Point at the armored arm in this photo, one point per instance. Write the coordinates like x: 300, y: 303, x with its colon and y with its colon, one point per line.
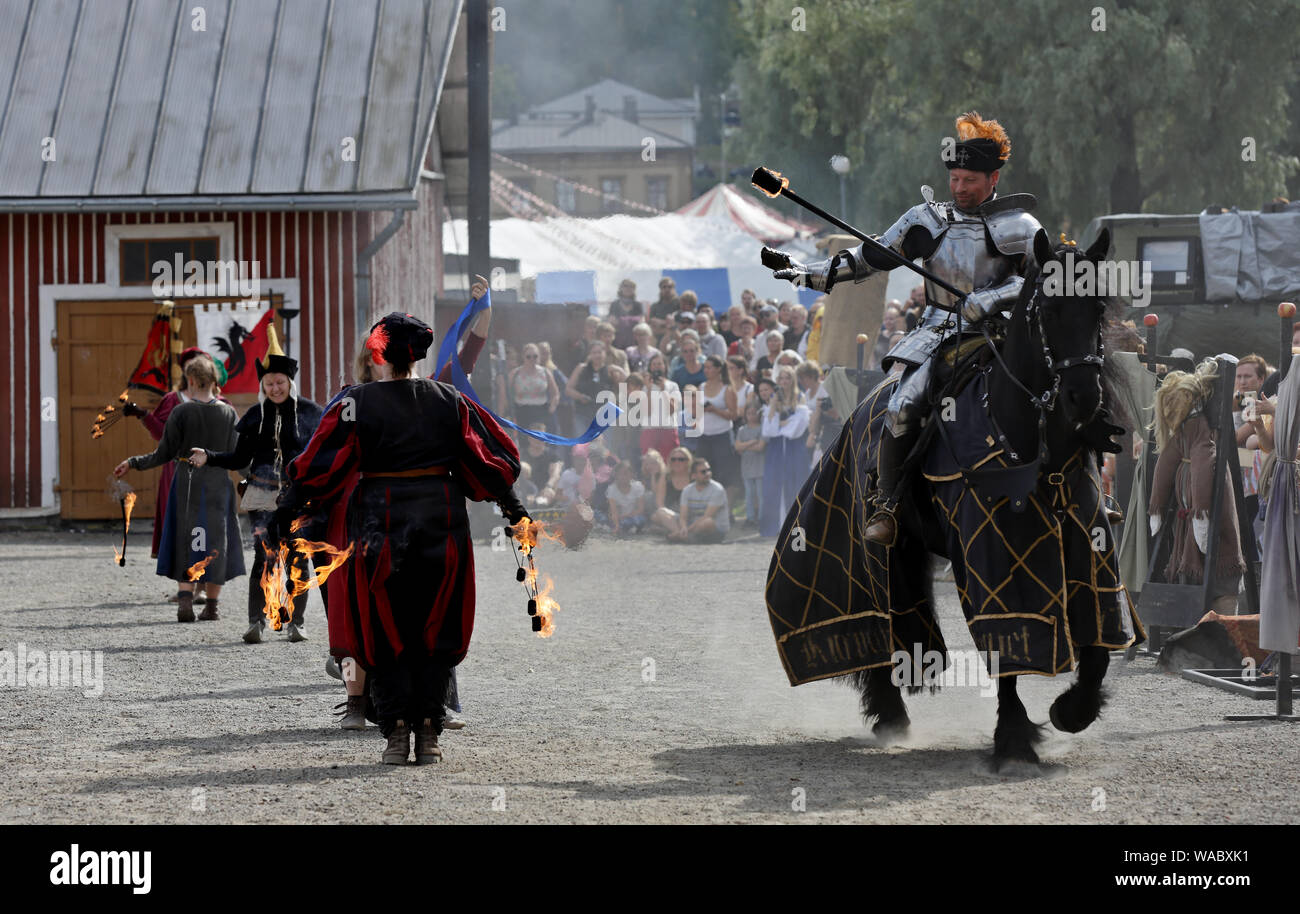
x: 981, y: 303
x: 858, y: 263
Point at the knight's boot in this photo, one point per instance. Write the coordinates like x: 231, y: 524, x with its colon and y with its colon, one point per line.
x: 426, y: 744
x: 1114, y: 514
x: 399, y: 745
x: 185, y: 606
x: 882, y: 526
x: 209, y: 613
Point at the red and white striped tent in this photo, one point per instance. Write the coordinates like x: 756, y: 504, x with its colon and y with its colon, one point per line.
x: 747, y: 212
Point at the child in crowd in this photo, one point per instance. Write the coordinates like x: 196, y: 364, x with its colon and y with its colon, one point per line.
x: 626, y: 496
x: 750, y: 446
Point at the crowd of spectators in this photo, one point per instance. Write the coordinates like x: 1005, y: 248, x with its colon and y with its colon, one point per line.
x: 724, y: 414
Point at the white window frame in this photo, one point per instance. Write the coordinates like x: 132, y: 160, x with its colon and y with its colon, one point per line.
x: 115, y: 234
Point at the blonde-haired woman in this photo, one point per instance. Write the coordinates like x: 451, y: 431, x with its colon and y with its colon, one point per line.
x: 786, y: 455
x: 533, y: 389
x: 668, y: 498
x: 1184, y: 476
x: 200, y: 527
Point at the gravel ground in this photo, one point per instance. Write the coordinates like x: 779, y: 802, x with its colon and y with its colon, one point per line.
x: 659, y: 699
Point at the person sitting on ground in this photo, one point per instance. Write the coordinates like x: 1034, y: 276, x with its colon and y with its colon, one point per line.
x: 626, y: 496
x: 546, y: 459
x: 676, y: 480
x: 524, y: 486
x: 578, y: 481
x: 705, y: 516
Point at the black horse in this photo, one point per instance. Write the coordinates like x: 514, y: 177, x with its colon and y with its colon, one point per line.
x: 842, y: 606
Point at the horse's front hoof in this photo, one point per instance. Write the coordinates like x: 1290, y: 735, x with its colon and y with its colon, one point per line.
x: 1075, y: 709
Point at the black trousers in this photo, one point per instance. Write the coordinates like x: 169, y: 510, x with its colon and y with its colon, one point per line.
x: 256, y: 598
x: 409, y: 690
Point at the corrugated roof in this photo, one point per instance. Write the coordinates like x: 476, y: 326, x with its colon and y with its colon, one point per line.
x: 572, y: 134
x: 251, y: 110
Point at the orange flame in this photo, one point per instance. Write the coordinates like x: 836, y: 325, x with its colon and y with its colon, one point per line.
x: 121, y: 398
x: 299, y: 523
x: 546, y: 608
x: 785, y: 182
x: 276, y: 596
x: 96, y: 432
x: 196, y: 570
x: 128, y: 503
x: 279, y: 594
x: 336, y: 558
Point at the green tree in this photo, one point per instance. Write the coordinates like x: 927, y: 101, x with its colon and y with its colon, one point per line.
x: 1141, y: 107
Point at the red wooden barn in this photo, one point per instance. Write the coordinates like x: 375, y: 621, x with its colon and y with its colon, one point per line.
x: 300, y: 138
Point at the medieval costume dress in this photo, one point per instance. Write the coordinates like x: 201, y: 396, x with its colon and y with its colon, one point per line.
x: 420, y: 449
x: 199, y: 523
x: 1184, y: 476
x: 271, y: 435
x: 154, y: 422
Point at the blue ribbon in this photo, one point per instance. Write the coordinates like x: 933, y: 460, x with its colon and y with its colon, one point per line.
x: 447, y: 353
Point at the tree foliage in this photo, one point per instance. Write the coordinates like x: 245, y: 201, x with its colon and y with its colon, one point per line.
x: 1153, y: 108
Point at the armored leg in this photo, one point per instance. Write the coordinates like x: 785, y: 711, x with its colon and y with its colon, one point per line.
x: 902, y: 431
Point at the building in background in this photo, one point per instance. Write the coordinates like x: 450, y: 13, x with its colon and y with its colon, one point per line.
x: 309, y: 147
x: 607, y: 139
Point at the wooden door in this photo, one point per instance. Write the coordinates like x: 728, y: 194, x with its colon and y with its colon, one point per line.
x: 98, y: 345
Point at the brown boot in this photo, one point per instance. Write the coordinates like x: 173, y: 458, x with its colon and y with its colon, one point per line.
x: 353, y: 713
x: 185, y: 606
x: 399, y: 745
x: 882, y: 528
x: 209, y: 613
x: 426, y: 744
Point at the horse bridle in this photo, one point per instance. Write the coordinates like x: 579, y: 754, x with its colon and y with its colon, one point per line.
x: 1045, y: 402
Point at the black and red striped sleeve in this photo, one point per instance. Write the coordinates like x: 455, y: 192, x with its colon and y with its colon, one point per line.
x: 487, y: 461
x: 330, y: 459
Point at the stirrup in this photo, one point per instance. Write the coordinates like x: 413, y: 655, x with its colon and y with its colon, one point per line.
x: 884, y: 514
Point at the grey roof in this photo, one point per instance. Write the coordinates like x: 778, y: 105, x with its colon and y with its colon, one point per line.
x: 570, y: 133
x: 251, y: 112
x: 609, y: 94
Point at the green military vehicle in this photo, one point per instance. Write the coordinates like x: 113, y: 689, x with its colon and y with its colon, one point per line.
x: 1214, y: 278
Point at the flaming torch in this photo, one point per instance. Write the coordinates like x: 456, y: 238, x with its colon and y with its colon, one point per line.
x: 541, y: 605
x: 279, y: 589
x: 121, y: 492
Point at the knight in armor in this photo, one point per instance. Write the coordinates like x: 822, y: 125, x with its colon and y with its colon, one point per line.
x: 979, y: 243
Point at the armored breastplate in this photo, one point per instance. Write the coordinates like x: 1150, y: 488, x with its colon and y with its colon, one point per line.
x: 965, y: 259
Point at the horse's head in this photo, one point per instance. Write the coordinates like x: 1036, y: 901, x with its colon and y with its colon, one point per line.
x: 1070, y: 309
